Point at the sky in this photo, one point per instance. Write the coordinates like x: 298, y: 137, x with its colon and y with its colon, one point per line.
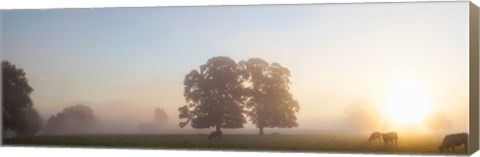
x: 125, y: 62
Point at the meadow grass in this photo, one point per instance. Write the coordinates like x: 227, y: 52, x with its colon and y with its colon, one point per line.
x: 413, y: 144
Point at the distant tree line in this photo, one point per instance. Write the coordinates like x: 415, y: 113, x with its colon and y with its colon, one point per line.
x: 223, y: 93
x: 220, y: 94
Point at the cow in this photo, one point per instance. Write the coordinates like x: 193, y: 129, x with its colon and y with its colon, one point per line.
x: 453, y: 140
x: 215, y: 134
x: 389, y: 138
x: 375, y: 136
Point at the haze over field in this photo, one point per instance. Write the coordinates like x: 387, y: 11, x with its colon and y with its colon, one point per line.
x: 355, y: 67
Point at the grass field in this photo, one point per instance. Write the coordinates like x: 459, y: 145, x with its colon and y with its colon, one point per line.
x: 304, y: 143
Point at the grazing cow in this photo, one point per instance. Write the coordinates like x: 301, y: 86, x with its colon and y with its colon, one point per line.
x: 453, y: 140
x: 375, y: 136
x: 389, y: 138
x: 215, y: 134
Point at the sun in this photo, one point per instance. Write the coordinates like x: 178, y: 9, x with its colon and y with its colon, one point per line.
x: 407, y: 102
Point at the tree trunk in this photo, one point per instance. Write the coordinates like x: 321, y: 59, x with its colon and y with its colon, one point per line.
x: 261, y: 130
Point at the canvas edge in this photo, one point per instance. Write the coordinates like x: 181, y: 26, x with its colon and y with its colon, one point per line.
x: 473, y: 79
x: 1, y: 78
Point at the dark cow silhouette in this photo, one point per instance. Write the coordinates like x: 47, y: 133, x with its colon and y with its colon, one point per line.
x: 375, y: 136
x: 453, y: 140
x: 215, y: 134
x: 390, y: 138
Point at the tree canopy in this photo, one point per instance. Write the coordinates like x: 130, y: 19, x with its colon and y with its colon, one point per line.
x: 214, y: 96
x: 269, y: 104
x: 74, y: 119
x: 18, y: 113
x: 223, y: 92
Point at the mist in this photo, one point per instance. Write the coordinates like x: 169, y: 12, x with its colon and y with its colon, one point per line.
x: 361, y: 116
x: 338, y: 74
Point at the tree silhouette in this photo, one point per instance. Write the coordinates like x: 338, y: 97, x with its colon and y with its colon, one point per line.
x: 19, y: 114
x: 160, y: 119
x: 72, y: 119
x: 160, y: 116
x: 214, y: 96
x: 269, y: 104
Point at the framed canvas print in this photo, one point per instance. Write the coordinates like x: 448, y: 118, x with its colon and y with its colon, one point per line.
x: 369, y: 78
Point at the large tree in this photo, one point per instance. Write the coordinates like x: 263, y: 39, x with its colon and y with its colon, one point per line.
x: 19, y: 114
x: 269, y: 104
x: 214, y: 96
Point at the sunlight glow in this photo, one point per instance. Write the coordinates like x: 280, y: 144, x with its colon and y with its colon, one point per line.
x: 408, y: 102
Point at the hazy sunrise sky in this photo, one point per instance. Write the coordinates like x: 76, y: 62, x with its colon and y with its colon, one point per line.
x: 125, y: 62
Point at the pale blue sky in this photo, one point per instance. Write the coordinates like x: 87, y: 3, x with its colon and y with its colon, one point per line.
x: 337, y: 53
